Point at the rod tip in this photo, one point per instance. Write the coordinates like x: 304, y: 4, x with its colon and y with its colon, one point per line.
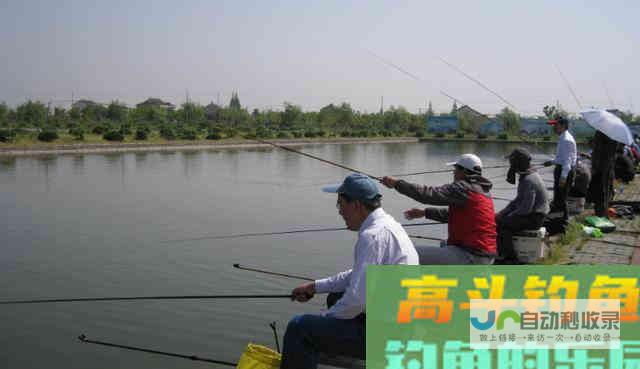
x: 236, y: 265
x: 82, y: 337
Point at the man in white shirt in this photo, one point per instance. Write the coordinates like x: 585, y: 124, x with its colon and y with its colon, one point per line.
x: 565, y: 162
x: 341, y: 330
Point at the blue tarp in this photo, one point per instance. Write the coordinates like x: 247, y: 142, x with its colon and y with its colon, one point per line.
x: 444, y: 124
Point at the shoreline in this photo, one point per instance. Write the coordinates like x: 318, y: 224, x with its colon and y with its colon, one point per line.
x: 74, y: 149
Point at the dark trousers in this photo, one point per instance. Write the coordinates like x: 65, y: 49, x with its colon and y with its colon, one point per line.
x: 559, y: 203
x: 510, y: 224
x: 307, y: 335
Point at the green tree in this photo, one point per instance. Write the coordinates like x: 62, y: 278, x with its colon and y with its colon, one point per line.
x: 117, y: 112
x: 454, y: 108
x: 291, y: 116
x: 4, y: 115
x: 429, y: 113
x: 235, y: 102
x: 510, y: 119
x: 32, y: 114
x: 191, y: 113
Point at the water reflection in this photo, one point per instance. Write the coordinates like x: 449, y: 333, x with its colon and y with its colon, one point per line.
x: 192, y: 163
x: 48, y: 164
x: 78, y: 164
x: 8, y: 164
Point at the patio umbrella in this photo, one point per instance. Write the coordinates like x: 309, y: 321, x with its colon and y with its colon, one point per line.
x: 609, y: 124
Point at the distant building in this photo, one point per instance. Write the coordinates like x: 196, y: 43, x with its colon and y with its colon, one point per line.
x: 154, y: 102
x: 82, y: 104
x: 534, y: 126
x: 491, y: 127
x: 442, y: 124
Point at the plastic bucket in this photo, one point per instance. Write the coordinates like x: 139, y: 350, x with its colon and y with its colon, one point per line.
x: 259, y: 357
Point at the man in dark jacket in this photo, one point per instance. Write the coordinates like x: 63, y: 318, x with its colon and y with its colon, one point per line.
x: 469, y: 213
x: 602, y: 170
x: 527, y: 210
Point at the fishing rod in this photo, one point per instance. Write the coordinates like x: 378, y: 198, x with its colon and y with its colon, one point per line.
x: 137, y: 298
x: 477, y: 82
x: 566, y: 82
x: 84, y: 339
x: 379, y: 179
x: 263, y: 271
x: 413, y: 76
x: 259, y: 234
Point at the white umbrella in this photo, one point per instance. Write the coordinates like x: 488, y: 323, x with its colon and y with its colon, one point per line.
x: 609, y: 124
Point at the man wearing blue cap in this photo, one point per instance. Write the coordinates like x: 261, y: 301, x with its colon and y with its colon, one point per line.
x: 341, y: 330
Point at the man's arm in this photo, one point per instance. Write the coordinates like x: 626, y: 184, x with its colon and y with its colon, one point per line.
x: 449, y: 194
x: 335, y: 283
x: 352, y: 302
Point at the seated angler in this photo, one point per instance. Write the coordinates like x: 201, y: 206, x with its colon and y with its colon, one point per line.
x: 527, y: 211
x: 469, y: 212
x: 341, y: 330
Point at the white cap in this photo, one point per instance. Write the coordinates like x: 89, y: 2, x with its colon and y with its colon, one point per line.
x: 469, y: 162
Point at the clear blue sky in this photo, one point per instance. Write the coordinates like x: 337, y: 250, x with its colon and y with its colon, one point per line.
x: 312, y: 53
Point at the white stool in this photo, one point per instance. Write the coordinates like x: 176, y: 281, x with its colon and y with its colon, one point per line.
x: 529, y: 245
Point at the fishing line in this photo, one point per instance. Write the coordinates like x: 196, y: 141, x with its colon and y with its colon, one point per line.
x: 259, y: 234
x: 137, y: 298
x: 568, y: 86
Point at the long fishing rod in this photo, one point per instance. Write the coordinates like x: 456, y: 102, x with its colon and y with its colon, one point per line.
x: 413, y: 76
x: 477, y: 82
x: 566, y: 82
x: 84, y: 339
x: 379, y: 179
x: 138, y: 298
x: 259, y: 234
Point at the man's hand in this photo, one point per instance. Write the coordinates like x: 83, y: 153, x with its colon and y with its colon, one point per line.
x: 548, y: 163
x: 304, y: 293
x: 389, y: 181
x: 562, y: 183
x: 414, y: 213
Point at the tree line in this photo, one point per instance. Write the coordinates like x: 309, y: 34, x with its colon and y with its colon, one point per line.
x: 117, y: 122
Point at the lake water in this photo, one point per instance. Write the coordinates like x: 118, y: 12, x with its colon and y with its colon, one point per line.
x: 102, y: 225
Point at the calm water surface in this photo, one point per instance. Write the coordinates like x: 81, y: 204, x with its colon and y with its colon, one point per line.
x: 101, y: 225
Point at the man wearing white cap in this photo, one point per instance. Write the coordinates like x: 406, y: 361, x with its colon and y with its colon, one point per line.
x: 341, y: 330
x: 470, y: 214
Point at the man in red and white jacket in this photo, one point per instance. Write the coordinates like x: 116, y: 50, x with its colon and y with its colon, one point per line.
x: 469, y: 213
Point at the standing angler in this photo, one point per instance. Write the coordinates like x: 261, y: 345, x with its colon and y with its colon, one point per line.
x: 565, y: 162
x: 341, y: 330
x: 470, y: 214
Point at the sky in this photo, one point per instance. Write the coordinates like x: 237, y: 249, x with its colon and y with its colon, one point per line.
x: 313, y: 53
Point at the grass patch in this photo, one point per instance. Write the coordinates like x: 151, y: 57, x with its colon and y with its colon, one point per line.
x: 573, y: 238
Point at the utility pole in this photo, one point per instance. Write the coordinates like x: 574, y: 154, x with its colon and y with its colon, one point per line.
x: 381, y: 104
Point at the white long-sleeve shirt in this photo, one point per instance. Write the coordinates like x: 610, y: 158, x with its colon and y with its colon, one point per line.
x: 381, y: 240
x: 566, y: 153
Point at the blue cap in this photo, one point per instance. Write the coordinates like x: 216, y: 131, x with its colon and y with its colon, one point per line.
x: 356, y: 186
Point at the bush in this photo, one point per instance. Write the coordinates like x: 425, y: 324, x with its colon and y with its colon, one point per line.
x: 98, y: 130
x: 188, y: 134
x: 345, y: 134
x: 7, y: 135
x: 47, y: 136
x: 440, y: 134
x: 142, y: 134
x: 214, y: 136
x: 419, y: 134
x: 284, y: 134
x: 298, y: 134
x: 167, y: 133
x: 503, y: 136
x: 77, y: 133
x: 546, y: 138
x: 482, y: 136
x: 113, y: 136
x: 310, y: 133
x: 459, y: 134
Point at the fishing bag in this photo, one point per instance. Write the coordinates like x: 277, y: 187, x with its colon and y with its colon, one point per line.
x: 601, y: 223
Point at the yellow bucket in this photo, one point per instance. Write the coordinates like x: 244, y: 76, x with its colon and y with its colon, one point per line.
x: 259, y: 357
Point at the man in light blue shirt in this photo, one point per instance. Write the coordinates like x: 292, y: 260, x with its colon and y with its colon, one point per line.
x: 565, y: 162
x: 341, y: 330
